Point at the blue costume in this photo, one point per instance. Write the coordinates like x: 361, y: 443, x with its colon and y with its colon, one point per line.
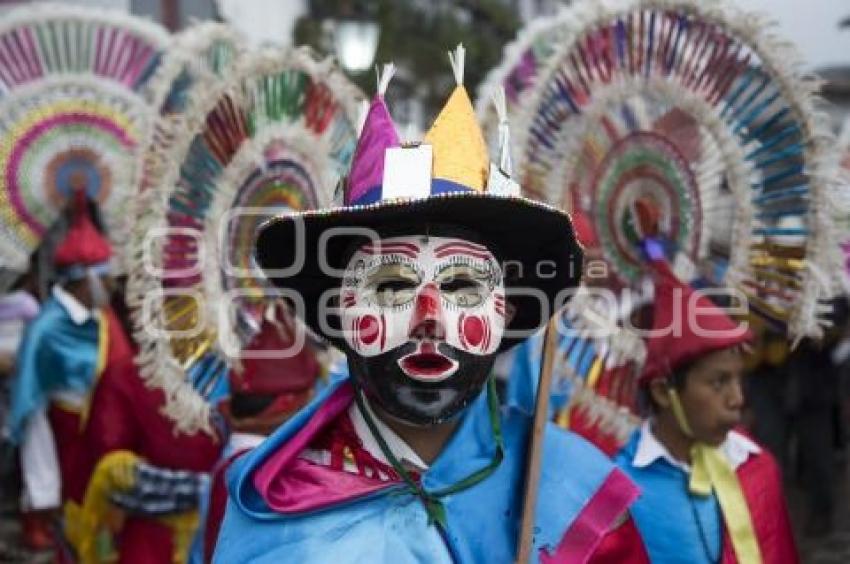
x: 525, y: 372
x: 667, y: 512
x: 56, y: 354
x: 579, y: 486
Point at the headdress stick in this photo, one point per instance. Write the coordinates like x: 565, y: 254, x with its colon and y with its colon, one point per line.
x: 535, y: 446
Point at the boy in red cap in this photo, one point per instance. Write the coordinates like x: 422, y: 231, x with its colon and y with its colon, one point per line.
x: 709, y: 493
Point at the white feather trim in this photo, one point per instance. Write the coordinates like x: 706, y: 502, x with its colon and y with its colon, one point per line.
x: 156, y: 359
x: 551, y: 38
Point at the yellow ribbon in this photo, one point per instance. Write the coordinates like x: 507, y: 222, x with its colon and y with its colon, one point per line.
x: 183, y: 527
x: 100, y: 366
x: 102, y: 341
x: 710, y: 470
x: 595, y: 372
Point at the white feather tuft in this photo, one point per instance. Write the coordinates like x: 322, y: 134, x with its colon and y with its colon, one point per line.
x: 504, y: 131
x: 384, y: 76
x: 457, y: 59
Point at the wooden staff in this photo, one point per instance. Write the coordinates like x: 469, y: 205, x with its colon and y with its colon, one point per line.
x: 535, y: 447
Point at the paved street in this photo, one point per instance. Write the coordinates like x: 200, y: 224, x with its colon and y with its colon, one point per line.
x: 835, y: 548
x: 10, y: 550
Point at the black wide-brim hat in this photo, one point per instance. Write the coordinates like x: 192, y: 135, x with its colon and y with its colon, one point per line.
x: 534, y: 243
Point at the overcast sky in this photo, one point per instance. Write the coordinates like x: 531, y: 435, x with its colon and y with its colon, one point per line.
x: 813, y: 25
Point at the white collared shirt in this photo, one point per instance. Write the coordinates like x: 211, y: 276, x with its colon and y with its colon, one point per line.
x: 736, y: 448
x: 78, y: 313
x: 400, y: 449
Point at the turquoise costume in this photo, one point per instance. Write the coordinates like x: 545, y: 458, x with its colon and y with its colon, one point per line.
x: 667, y: 513
x: 581, y: 495
x: 56, y: 354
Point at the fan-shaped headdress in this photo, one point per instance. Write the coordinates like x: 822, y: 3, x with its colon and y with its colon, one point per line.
x: 275, y: 134
x: 76, y: 98
x: 698, y: 110
x: 205, y: 51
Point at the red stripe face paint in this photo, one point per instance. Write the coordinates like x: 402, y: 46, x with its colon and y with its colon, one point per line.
x: 460, y: 244
x: 461, y: 335
x: 383, y: 329
x: 409, y: 250
x: 462, y: 248
x: 499, y: 304
x: 462, y: 252
x: 417, y: 289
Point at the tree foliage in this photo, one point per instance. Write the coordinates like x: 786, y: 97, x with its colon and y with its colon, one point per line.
x: 416, y: 34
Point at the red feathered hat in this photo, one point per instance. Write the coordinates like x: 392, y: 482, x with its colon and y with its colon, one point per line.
x: 83, y: 245
x: 686, y: 325
x: 272, y: 376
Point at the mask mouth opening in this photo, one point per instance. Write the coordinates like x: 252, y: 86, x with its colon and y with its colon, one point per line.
x: 428, y: 366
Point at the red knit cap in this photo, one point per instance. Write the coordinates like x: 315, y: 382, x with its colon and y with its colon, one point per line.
x: 689, y: 326
x: 83, y: 244
x: 272, y: 376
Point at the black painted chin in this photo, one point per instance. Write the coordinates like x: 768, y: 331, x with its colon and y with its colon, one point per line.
x: 413, y: 401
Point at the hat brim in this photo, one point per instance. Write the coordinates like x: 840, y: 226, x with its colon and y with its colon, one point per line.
x: 533, y: 242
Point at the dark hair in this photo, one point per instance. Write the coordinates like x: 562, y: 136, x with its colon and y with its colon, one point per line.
x: 96, y: 216
x: 244, y: 405
x: 74, y: 285
x: 678, y: 379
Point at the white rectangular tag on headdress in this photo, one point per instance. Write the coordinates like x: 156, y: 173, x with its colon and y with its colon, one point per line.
x: 407, y: 172
x: 500, y: 184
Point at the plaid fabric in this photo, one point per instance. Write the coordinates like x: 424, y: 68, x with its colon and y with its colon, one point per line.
x: 161, y: 491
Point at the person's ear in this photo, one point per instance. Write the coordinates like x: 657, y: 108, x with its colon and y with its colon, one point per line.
x: 658, y: 389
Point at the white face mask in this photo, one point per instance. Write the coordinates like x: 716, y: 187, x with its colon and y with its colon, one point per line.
x: 426, y: 291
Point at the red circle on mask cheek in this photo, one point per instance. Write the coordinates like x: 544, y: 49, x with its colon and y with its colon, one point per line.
x: 473, y: 330
x: 367, y: 329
